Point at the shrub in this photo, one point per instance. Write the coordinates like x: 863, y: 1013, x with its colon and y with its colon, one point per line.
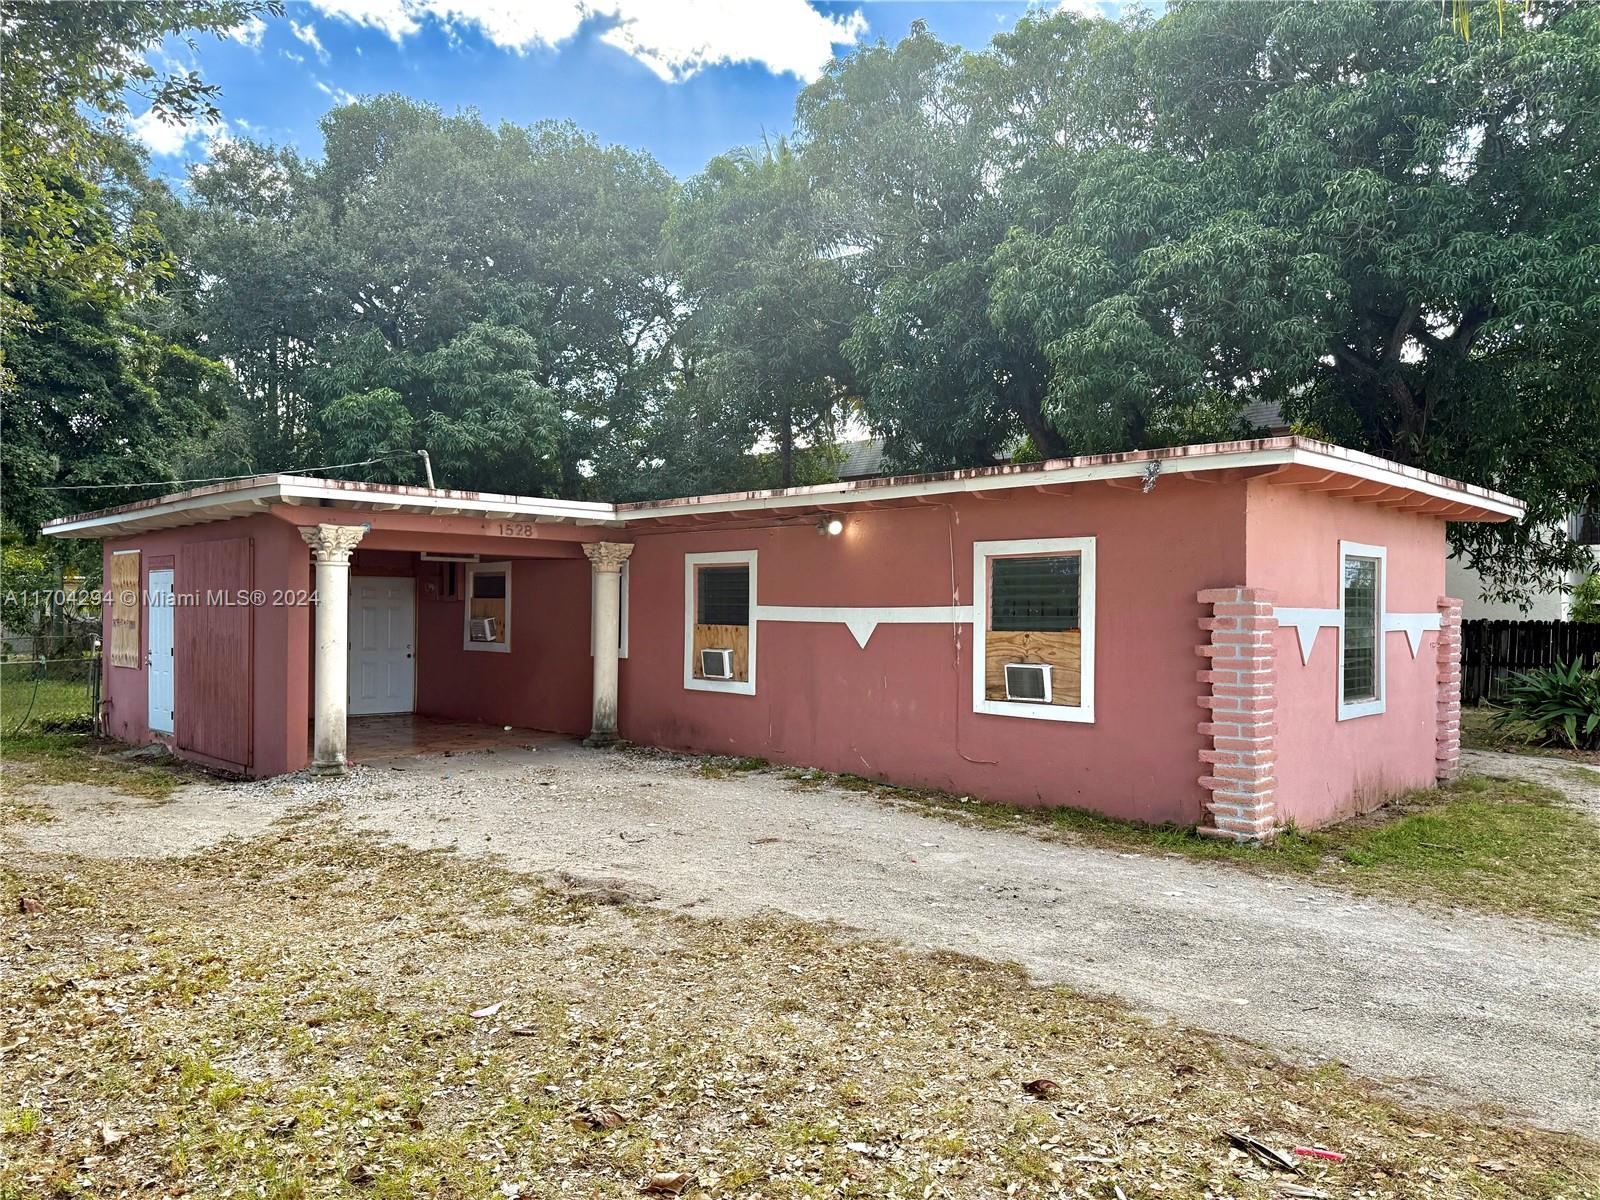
x: 1586, y: 600
x: 1561, y: 703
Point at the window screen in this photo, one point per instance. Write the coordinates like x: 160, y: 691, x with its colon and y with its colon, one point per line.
x: 723, y: 595
x: 1360, y: 628
x: 1033, y: 595
x: 489, y: 587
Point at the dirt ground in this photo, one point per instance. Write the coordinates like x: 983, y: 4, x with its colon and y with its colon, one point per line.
x: 313, y: 1013
x: 1457, y: 1007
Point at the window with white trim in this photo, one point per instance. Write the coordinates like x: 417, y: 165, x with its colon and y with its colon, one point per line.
x: 1361, y: 642
x: 488, y: 607
x: 1033, y: 627
x: 719, y: 633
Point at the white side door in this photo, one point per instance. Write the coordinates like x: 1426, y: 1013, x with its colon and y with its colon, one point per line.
x: 158, y: 664
x: 382, y: 629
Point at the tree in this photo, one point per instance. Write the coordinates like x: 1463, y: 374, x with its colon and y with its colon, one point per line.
x: 1117, y: 236
x: 95, y: 389
x: 69, y: 70
x: 893, y: 135
x: 768, y: 302
x: 491, y: 295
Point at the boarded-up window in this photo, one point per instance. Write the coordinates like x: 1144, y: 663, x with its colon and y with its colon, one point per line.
x: 488, y: 607
x: 720, y: 646
x: 1033, y: 620
x: 124, y: 600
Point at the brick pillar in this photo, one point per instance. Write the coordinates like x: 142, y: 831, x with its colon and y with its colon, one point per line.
x: 1447, y: 729
x: 1240, y: 690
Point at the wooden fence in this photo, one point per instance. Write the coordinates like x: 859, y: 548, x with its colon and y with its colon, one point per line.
x: 1492, y: 650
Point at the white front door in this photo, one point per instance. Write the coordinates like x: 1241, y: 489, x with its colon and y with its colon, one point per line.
x: 382, y: 628
x: 159, y: 662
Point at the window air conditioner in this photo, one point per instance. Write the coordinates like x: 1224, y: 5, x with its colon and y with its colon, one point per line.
x: 482, y: 629
x: 716, y: 664
x: 1029, y: 682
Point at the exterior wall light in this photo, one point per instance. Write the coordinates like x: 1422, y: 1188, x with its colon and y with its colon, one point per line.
x: 833, y: 527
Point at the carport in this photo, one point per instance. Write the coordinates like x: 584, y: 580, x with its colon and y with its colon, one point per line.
x: 245, y: 613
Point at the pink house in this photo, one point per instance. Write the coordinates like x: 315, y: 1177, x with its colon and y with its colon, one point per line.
x: 1232, y: 636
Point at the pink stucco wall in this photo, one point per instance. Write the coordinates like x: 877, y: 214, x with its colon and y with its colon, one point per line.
x: 1327, y: 768
x: 900, y: 709
x: 544, y: 682
x: 279, y: 662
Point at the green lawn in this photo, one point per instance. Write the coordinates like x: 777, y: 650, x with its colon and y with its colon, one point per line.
x: 45, y: 703
x: 1481, y: 842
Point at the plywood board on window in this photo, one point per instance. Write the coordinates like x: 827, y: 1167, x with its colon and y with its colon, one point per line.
x: 125, y: 609
x: 724, y: 637
x: 1062, y: 651
x: 491, y: 606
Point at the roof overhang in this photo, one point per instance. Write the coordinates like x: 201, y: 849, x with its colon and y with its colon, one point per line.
x: 1290, y: 461
x: 245, y: 497
x: 1284, y: 461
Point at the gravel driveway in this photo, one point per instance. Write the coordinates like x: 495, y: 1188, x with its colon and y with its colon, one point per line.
x: 1449, y: 1006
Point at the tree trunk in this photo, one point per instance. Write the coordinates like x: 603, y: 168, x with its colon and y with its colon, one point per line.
x: 786, y: 445
x: 1045, y: 439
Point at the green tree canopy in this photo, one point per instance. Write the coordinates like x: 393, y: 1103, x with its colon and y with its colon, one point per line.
x: 501, y: 286
x: 1116, y: 236
x: 767, y: 301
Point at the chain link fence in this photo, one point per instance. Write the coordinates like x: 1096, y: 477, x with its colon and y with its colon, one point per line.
x: 50, y: 685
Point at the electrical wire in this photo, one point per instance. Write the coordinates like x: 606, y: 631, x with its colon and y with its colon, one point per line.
x: 96, y: 487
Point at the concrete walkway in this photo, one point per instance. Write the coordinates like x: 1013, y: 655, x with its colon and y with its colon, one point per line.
x: 1453, y: 1007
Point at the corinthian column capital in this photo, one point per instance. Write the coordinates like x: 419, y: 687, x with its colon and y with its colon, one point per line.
x: 332, y: 543
x: 608, y: 557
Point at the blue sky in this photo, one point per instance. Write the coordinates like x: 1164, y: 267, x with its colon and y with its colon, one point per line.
x: 683, y: 79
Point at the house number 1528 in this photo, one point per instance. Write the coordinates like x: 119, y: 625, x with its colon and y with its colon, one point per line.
x: 518, y: 529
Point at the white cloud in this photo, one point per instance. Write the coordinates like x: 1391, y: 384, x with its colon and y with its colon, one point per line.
x: 674, y: 38
x: 307, y: 33
x: 677, y: 38
x: 337, y: 94
x: 393, y: 17
x: 250, y: 33
x: 1086, y: 8
x: 167, y: 139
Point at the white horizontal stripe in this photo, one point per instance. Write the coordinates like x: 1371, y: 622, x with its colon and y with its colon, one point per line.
x: 863, y: 621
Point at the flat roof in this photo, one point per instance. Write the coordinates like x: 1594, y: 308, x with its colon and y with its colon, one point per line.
x: 1291, y: 461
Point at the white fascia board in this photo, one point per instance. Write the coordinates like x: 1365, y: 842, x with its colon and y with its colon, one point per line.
x: 107, y: 524
x: 1355, y: 465
x: 1365, y: 466
x: 294, y: 489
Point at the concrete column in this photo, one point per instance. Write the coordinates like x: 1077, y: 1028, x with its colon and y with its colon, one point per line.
x: 607, y: 558
x: 330, y: 547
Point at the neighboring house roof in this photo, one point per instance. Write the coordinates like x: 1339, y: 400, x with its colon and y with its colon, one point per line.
x: 863, y: 459
x: 1265, y: 414
x: 1293, y: 461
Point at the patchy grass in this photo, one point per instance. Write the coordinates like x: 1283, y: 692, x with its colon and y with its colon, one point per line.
x: 720, y: 767
x: 1481, y: 842
x: 36, y: 760
x: 1478, y: 732
x: 291, y: 1017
